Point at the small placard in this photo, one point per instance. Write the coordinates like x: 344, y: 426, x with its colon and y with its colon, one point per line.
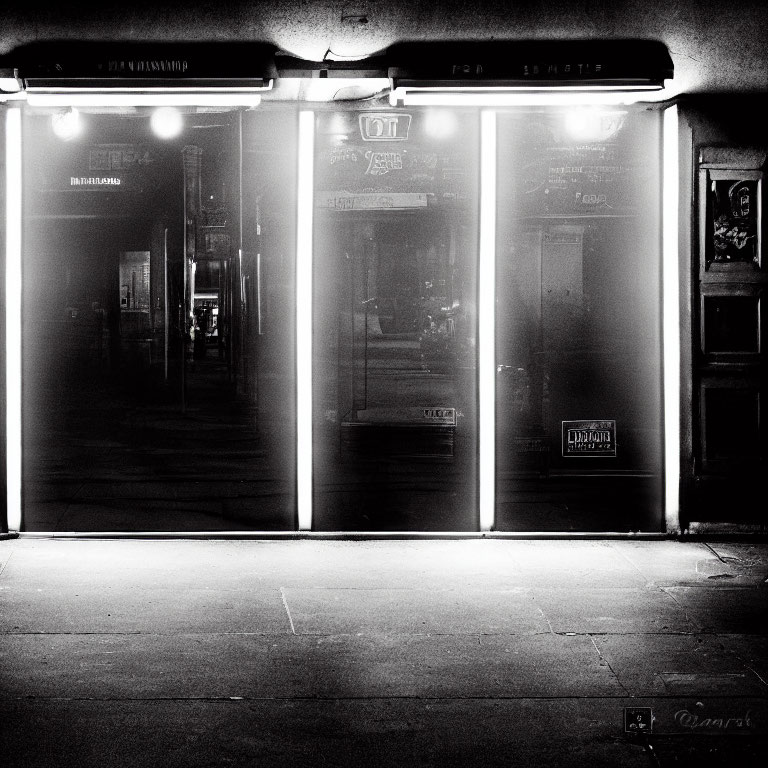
x: 589, y: 438
x: 638, y: 720
x: 440, y: 416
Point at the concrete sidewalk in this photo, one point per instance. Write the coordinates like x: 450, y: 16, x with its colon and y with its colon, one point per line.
x: 381, y: 653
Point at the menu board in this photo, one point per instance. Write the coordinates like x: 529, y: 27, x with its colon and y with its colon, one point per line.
x: 577, y: 179
x: 547, y: 167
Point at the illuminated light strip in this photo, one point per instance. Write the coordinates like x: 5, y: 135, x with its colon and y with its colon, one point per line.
x: 304, y: 226
x: 148, y: 88
x: 486, y: 323
x: 551, y: 97
x: 13, y: 227
x: 671, y: 320
x: 142, y: 99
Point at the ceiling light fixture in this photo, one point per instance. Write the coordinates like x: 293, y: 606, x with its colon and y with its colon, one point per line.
x: 162, y: 68
x: 141, y: 98
x: 167, y: 122
x: 66, y: 125
x: 10, y: 82
x: 526, y: 72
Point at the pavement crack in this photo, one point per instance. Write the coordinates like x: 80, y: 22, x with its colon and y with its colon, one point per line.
x: 628, y: 559
x: 239, y: 699
x: 544, y: 616
x: 723, y: 560
x: 287, y: 610
x: 3, y: 567
x: 75, y: 633
x: 756, y: 674
x: 698, y: 627
x: 608, y: 664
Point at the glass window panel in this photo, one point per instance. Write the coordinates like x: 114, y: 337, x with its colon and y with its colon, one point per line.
x: 396, y: 205
x: 158, y: 309
x: 578, y: 308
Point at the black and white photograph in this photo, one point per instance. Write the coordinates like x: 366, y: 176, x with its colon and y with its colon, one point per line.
x: 383, y: 384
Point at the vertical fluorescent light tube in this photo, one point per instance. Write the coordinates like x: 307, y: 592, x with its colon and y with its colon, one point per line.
x: 13, y: 316
x: 486, y: 322
x: 671, y: 319
x: 304, y: 226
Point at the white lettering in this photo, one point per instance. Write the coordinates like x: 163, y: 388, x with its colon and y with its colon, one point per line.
x: 94, y: 181
x: 175, y: 66
x: 686, y: 719
x: 380, y: 163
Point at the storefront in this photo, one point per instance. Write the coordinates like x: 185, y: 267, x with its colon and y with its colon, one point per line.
x: 239, y: 313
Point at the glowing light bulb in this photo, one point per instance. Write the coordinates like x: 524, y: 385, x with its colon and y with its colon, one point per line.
x: 167, y: 122
x: 440, y: 123
x: 593, y: 124
x: 67, y: 125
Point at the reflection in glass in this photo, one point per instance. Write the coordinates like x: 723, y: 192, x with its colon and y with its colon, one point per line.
x: 395, y: 317
x: 578, y: 308
x: 158, y: 320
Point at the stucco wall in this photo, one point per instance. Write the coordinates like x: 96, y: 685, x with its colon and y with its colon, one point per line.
x: 715, y: 46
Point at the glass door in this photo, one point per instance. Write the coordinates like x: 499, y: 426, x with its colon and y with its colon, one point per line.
x: 578, y: 302
x: 396, y: 209
x: 158, y: 306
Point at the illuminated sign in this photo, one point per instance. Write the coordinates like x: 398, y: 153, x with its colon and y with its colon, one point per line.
x: 95, y: 181
x: 384, y: 126
x: 589, y: 438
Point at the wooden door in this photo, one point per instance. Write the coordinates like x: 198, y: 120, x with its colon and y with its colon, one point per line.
x: 729, y: 351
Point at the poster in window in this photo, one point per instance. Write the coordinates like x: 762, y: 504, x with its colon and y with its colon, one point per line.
x: 734, y: 225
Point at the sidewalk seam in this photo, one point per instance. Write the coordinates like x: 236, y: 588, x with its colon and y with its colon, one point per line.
x: 287, y: 610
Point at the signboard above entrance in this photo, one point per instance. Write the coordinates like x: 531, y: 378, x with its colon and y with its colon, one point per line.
x: 498, y: 64
x: 100, y: 66
x: 384, y: 126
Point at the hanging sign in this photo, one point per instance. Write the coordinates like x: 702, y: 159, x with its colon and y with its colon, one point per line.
x: 589, y: 438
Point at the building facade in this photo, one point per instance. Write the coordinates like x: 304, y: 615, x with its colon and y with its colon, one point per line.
x: 248, y: 308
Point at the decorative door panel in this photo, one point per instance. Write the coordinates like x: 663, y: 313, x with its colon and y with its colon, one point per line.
x: 729, y: 363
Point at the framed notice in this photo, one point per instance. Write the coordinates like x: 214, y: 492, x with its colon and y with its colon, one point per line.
x: 730, y: 210
x: 589, y: 438
x: 734, y: 220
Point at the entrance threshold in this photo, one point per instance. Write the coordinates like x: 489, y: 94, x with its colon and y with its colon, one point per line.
x: 343, y: 535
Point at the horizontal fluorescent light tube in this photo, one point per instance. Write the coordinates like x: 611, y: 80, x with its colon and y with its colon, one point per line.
x: 521, y: 98
x: 143, y: 99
